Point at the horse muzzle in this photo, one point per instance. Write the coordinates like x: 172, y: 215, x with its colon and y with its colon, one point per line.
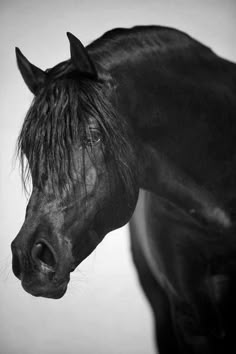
x: 40, y: 270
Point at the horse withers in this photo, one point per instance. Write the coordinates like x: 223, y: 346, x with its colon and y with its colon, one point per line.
x: 145, y: 109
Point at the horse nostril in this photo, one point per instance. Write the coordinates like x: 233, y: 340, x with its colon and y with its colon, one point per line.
x: 41, y: 252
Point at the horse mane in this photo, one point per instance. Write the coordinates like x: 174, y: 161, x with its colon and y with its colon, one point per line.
x: 58, y: 119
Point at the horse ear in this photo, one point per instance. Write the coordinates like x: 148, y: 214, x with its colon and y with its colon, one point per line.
x: 80, y: 57
x: 33, y: 76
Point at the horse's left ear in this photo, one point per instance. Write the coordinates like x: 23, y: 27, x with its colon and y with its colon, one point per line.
x: 32, y: 75
x: 80, y: 57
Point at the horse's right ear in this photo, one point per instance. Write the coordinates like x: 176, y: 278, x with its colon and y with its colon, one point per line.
x: 33, y: 76
x: 80, y: 58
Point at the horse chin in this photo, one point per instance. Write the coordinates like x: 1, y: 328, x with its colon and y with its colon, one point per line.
x: 46, y: 290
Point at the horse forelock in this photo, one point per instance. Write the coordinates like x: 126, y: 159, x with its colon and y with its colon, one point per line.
x: 58, y: 120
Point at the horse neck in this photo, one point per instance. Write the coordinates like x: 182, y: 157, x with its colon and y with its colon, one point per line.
x: 138, y: 97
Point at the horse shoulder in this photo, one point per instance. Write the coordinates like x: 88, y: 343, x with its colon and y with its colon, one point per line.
x: 142, y: 232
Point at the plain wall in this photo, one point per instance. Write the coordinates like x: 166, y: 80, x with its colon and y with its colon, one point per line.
x: 104, y: 311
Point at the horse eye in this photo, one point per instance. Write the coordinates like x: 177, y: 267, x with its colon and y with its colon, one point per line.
x: 93, y: 137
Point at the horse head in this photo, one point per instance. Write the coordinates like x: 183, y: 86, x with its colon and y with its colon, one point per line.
x: 78, y: 154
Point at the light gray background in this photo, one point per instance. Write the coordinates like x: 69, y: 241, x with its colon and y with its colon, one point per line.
x: 104, y: 311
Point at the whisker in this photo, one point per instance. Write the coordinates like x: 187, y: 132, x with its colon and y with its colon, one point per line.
x: 5, y: 268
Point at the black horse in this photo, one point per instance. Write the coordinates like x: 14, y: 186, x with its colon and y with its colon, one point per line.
x: 144, y: 108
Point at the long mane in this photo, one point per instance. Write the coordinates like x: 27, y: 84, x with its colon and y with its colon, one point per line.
x: 58, y: 119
